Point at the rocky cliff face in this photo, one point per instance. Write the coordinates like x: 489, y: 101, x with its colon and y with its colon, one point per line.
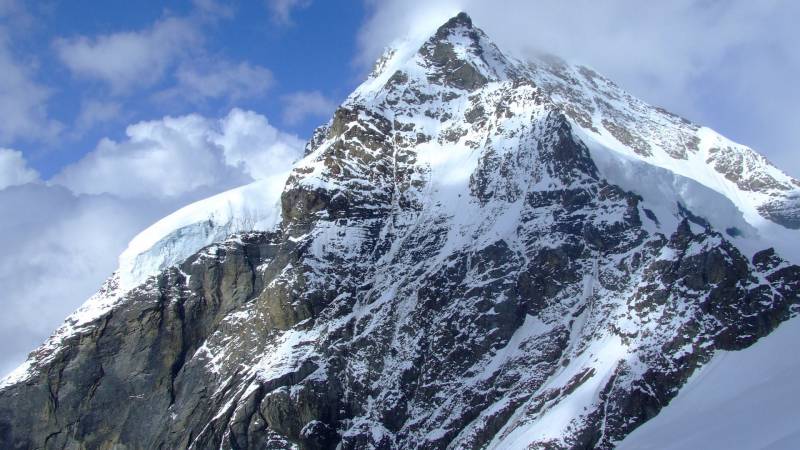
x: 452, y: 270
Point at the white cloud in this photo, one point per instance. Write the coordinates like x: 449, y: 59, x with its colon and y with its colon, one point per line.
x: 164, y: 158
x: 14, y: 169
x: 56, y: 254
x: 23, y: 101
x: 177, y: 155
x: 730, y: 65
x: 282, y: 9
x: 219, y: 79
x: 129, y: 59
x: 259, y: 148
x: 299, y: 105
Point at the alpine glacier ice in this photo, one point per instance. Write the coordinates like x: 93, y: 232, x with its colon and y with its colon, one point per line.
x: 168, y: 242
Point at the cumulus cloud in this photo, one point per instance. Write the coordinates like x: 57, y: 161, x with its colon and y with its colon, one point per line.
x: 219, y: 79
x: 730, y: 65
x: 129, y: 59
x: 250, y: 142
x: 300, y: 105
x: 14, y: 169
x: 23, y: 101
x: 176, y: 155
x: 163, y: 158
x: 282, y: 9
x: 56, y: 254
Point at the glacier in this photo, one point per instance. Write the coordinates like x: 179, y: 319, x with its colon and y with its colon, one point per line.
x: 168, y: 242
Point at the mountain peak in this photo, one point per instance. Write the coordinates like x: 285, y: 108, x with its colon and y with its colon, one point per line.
x: 459, y: 20
x: 459, y: 26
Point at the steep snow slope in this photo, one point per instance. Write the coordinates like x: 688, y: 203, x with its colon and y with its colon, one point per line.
x: 739, y: 401
x: 730, y: 185
x: 626, y: 124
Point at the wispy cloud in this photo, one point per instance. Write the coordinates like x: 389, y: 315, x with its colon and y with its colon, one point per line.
x: 213, y: 10
x: 23, y: 100
x: 126, y: 60
x: 14, y: 169
x: 300, y: 105
x: 282, y: 10
x: 94, y: 112
x: 208, y: 79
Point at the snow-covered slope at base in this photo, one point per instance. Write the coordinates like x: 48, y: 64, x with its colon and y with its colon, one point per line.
x: 740, y: 400
x: 253, y: 207
x: 602, y: 358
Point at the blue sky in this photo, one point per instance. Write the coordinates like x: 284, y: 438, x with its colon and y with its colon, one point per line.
x: 116, y: 113
x: 308, y: 51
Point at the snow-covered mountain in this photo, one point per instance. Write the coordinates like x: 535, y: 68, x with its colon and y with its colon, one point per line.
x: 475, y: 252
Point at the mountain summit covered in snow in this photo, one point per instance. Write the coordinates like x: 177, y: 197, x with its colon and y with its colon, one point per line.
x: 475, y: 252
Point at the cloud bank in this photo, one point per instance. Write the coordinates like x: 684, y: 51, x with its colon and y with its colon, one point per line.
x: 300, y: 105
x: 61, y: 238
x: 14, y: 169
x: 58, y: 247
